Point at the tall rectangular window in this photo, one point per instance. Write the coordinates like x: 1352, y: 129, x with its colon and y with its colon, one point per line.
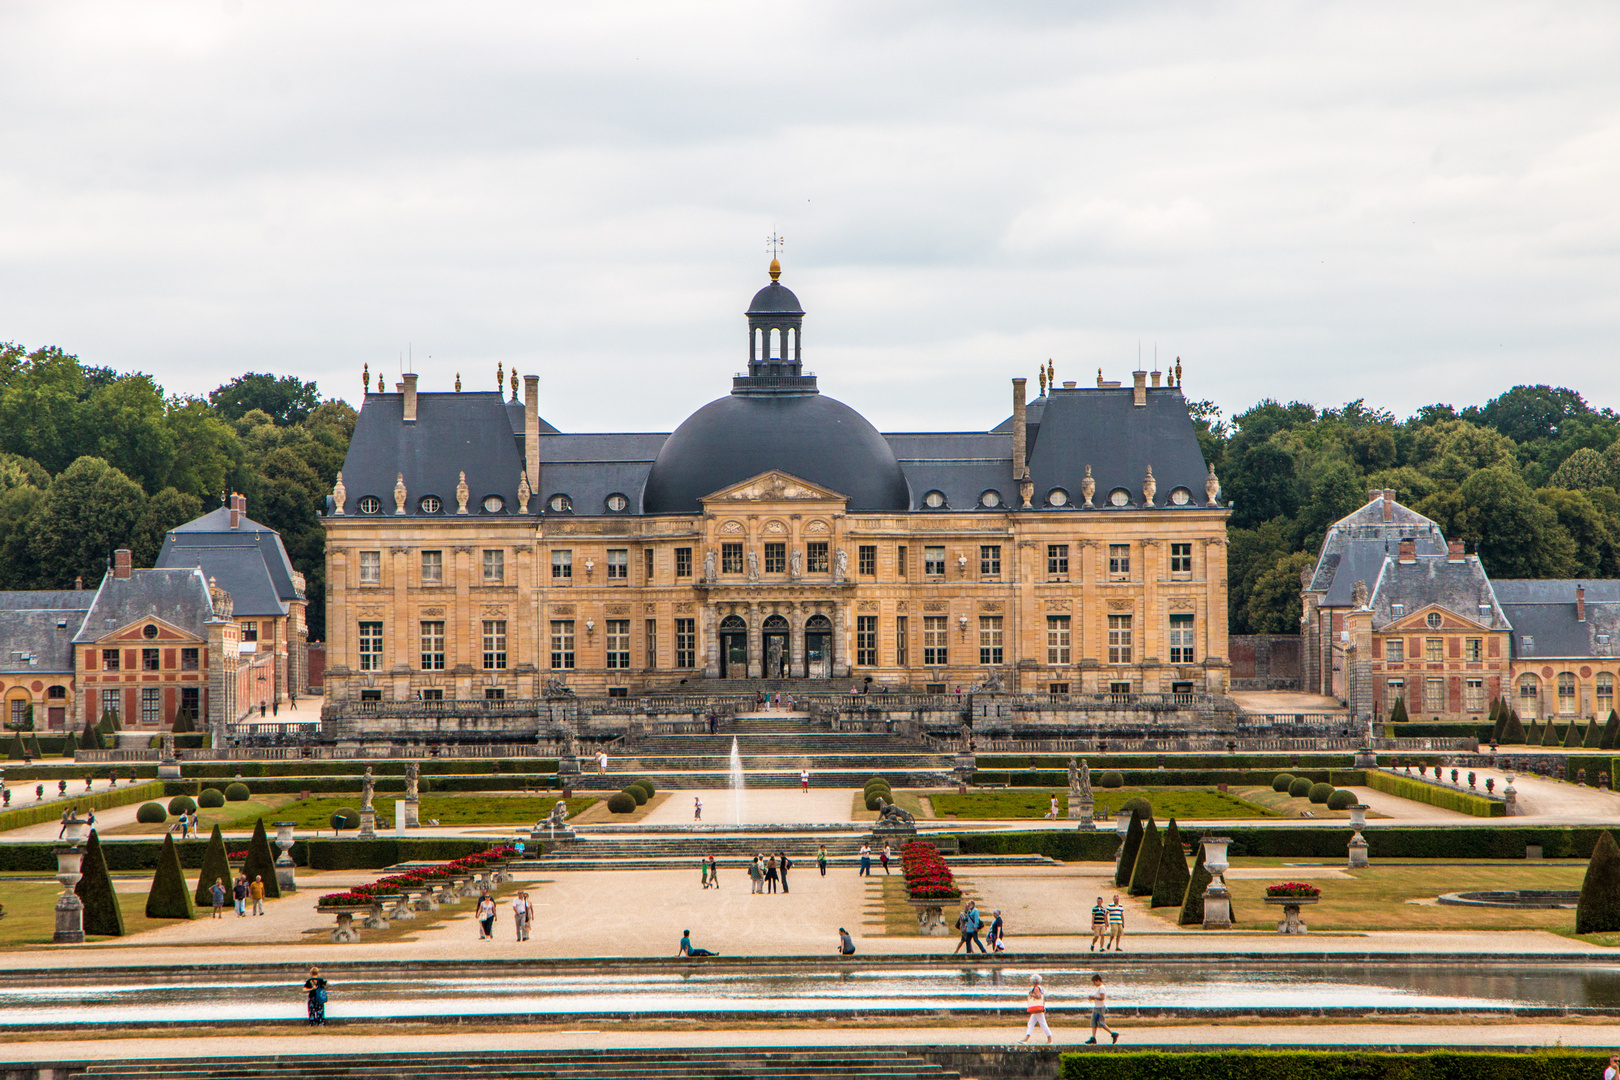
x: 989, y: 560
x: 866, y: 640
x: 618, y: 643
x: 1434, y: 695
x: 934, y: 560
x: 432, y: 567
x: 866, y: 560
x: 1057, y: 640
x: 775, y: 557
x: 562, y: 565
x: 815, y: 557
x: 901, y: 554
x: 370, y: 567
x: 902, y: 650
x: 935, y: 640
x: 433, y: 646
x: 151, y: 705
x: 1433, y: 650
x: 494, y: 644
x: 109, y: 703
x: 562, y: 644
x: 1395, y: 650
x: 1057, y: 562
x: 685, y: 643
x: 990, y: 639
x: 731, y: 558
x: 494, y: 567
x: 109, y: 659
x: 1474, y: 695
x: 191, y: 701
x: 618, y: 564
x: 371, y: 646
x: 1474, y: 649
x: 683, y: 562
x: 151, y: 660
x: 1119, y: 560
x: 1181, y: 558
x: 651, y: 637
x: 250, y: 630
x: 1119, y: 639
x: 647, y: 565
x: 1181, y: 639
x: 189, y: 659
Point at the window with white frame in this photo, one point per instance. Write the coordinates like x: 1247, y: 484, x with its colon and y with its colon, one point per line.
x: 1474, y: 695
x: 370, y: 567
x: 494, y: 566
x: 432, y: 567
x: 1181, y: 558
x: 371, y: 646
x: 618, y: 564
x: 562, y: 565
x: 618, y: 643
x: 935, y: 640
x: 934, y: 560
x: 1120, y: 643
x: 990, y: 640
x: 1119, y: 560
x: 562, y: 644
x: 1057, y: 562
x: 433, y: 645
x: 494, y: 644
x: 1182, y: 645
x: 1057, y: 640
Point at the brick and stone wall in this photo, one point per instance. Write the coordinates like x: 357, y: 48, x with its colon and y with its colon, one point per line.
x: 1267, y: 661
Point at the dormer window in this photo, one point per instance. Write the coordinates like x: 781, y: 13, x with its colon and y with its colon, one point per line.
x: 934, y: 500
x: 617, y: 504
x: 494, y: 504
x: 1397, y: 609
x: 1057, y: 497
x: 1433, y: 620
x: 560, y: 504
x: 149, y: 631
x: 370, y: 504
x: 1119, y: 497
x: 1180, y: 496
x: 429, y: 504
x: 990, y: 499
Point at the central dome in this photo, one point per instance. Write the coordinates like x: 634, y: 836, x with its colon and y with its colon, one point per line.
x: 807, y: 435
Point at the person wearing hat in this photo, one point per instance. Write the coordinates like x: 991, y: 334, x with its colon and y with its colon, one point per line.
x: 1036, y: 1007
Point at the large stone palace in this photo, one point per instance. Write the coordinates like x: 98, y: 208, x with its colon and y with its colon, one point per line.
x: 474, y: 551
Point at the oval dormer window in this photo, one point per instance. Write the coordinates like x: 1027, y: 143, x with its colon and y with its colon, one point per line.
x: 990, y: 499
x: 1057, y: 497
x: 934, y: 500
x: 1433, y: 620
x: 429, y: 504
x: 1119, y: 497
x: 494, y: 504
x: 370, y: 504
x: 617, y: 503
x: 560, y: 504
x: 1180, y: 497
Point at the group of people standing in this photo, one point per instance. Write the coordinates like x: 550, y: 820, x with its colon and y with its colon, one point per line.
x: 1107, y: 924
x: 243, y: 891
x: 866, y: 859
x: 764, y: 872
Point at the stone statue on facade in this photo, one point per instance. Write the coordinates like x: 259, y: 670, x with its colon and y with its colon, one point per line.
x: 991, y: 684
x: 708, y: 565
x: 463, y: 492
x: 413, y: 773
x: 1212, y: 486
x: 399, y: 494
x: 796, y: 564
x: 773, y: 659
x: 753, y: 565
x: 1358, y: 594
x: 1088, y: 486
x: 368, y: 788
x: 841, y: 565
x: 340, y: 494
x: 1149, y: 487
x: 556, y: 688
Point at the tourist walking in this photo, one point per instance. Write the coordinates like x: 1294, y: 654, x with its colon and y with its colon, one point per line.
x: 697, y: 808
x: 601, y: 762
x: 866, y: 861
x: 1052, y: 811
x: 786, y: 864
x: 821, y: 859
x: 997, y: 932
x: 486, y: 918
x: 521, y: 913
x: 688, y: 949
x: 714, y: 873
x: 217, y: 894
x: 1036, y: 1008
x: 969, y: 922
x: 703, y: 869
x: 240, y: 891
x: 885, y: 858
x: 1099, y: 1010
x: 256, y: 892
x: 804, y: 781
x: 315, y: 987
x: 846, y: 945
x: 756, y: 876
x: 1116, y: 923
x: 1099, y: 925
x: 63, y: 831
x: 770, y: 875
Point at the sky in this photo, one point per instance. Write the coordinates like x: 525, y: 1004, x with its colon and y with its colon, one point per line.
x: 1402, y: 202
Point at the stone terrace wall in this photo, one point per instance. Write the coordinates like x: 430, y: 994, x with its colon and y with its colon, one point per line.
x: 1266, y: 661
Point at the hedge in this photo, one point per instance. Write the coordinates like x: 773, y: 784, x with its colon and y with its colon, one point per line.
x: 349, y: 853
x: 387, y: 785
x: 1435, y: 795
x: 1014, y: 762
x: 227, y: 770
x: 101, y: 800
x: 1333, y: 1065
x: 1482, y: 732
x: 1327, y: 842
x: 1176, y: 777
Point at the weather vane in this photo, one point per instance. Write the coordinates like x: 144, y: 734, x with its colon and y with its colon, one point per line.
x: 775, y: 241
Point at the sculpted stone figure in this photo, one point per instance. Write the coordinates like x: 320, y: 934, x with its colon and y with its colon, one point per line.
x: 1074, y: 778
x: 796, y: 563
x: 556, y: 688
x: 559, y: 813
x: 1085, y: 780
x: 890, y: 814
x: 841, y: 565
x: 773, y: 659
x: 708, y: 565
x: 413, y: 773
x: 753, y: 565
x: 368, y: 788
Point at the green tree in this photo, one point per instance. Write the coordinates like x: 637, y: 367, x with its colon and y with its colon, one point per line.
x: 102, y: 915
x: 1598, y: 910
x: 90, y: 510
x: 1584, y: 469
x: 40, y: 407
x: 1273, y: 600
x: 1453, y: 450
x: 1527, y: 413
x: 169, y: 897
x: 1146, y: 867
x: 1170, y: 883
x: 1592, y: 530
x: 129, y: 426
x: 208, y: 456
x: 162, y: 512
x: 287, y: 400
x: 1495, y: 513
x: 1192, y: 907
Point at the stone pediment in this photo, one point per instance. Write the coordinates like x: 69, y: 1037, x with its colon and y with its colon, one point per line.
x: 774, y: 486
x: 1417, y: 622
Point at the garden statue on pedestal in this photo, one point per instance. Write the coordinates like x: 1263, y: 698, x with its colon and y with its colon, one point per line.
x: 413, y: 801
x: 1081, y: 802
x: 893, y: 824
x: 368, y: 815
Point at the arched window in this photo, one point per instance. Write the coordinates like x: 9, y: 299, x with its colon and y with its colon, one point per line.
x: 733, y: 623
x: 1566, y: 693
x: 776, y: 624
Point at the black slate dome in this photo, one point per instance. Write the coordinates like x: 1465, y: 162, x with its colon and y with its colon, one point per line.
x: 806, y: 435
x: 775, y: 299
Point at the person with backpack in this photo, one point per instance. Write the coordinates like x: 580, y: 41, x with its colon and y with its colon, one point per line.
x: 315, y: 987
x: 240, y: 892
x: 786, y: 864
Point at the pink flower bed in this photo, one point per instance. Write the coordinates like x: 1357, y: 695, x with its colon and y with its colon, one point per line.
x: 927, y: 876
x: 394, y: 884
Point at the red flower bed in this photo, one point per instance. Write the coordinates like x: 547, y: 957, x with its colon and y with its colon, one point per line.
x: 927, y: 876
x: 345, y: 899
x: 1293, y: 889
x: 422, y: 875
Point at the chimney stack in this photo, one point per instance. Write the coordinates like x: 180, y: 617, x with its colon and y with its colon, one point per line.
x: 1408, y: 551
x: 121, y: 564
x: 1156, y: 376
x: 1580, y: 603
x: 1020, y: 463
x: 531, y: 430
x: 1454, y: 551
x: 1140, y: 395
x: 410, y: 397
x: 236, y: 510
x: 1389, y: 504
x: 78, y: 584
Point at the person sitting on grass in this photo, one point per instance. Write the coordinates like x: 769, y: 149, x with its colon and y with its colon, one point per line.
x: 688, y: 949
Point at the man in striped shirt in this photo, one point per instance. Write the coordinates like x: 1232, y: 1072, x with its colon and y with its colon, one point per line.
x: 1116, y: 923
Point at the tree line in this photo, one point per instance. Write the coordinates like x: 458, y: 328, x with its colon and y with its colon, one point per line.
x: 1530, y: 481
x: 92, y: 460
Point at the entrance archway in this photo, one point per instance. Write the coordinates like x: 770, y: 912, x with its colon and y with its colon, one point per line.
x: 733, y: 648
x: 818, y: 647
x: 777, y: 654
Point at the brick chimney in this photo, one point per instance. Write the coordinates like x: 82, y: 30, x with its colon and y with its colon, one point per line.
x: 1020, y: 467
x: 410, y: 397
x: 1139, y: 397
x: 1389, y: 504
x: 78, y: 584
x: 531, y: 430
x: 1408, y: 551
x: 121, y: 563
x: 1580, y: 603
x: 235, y: 504
x: 1454, y: 551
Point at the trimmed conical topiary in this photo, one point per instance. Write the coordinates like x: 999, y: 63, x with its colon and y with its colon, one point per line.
x: 90, y: 739
x: 1397, y: 712
x: 1498, y: 720
x: 1192, y: 906
x: 1512, y: 729
x: 170, y: 897
x: 216, y: 863
x: 1594, y: 736
x: 1611, y: 730
x: 261, y: 862
x: 34, y: 748
x: 102, y: 915
x: 1532, y: 735
x: 1599, y: 907
x: 1549, y: 734
x: 1127, y: 855
x: 15, y: 749
x: 1170, y: 884
x: 1146, y: 867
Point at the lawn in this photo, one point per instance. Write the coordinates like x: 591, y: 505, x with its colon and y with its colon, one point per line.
x: 913, y: 804
x: 30, y: 917
x: 1379, y: 897
x: 314, y: 813
x: 1185, y: 803
x: 1285, y: 805
x: 227, y: 817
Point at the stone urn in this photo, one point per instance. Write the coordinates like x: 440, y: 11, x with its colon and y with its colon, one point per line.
x: 345, y: 931
x: 1217, y: 900
x: 286, y: 869
x: 1291, y: 923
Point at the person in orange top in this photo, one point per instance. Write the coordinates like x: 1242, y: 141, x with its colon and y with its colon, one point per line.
x: 256, y: 891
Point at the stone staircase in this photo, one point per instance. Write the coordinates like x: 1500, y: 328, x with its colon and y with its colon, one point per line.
x: 732, y: 1063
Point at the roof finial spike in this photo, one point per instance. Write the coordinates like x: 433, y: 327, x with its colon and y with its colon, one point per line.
x: 379, y: 382
x: 774, y: 242
x: 1042, y: 370
x: 458, y: 382
x: 365, y: 378
x: 1051, y: 374
x: 514, y: 384
x: 500, y: 376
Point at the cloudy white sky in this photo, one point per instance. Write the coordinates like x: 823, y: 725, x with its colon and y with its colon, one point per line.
x: 1397, y: 201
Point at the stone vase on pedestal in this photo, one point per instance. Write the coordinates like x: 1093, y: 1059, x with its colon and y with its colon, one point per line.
x: 1217, y: 900
x: 69, y: 908
x: 1358, y: 843
x: 286, y: 869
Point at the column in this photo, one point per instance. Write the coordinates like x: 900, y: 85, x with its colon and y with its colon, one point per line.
x: 709, y: 627
x: 796, y: 661
x: 755, y: 665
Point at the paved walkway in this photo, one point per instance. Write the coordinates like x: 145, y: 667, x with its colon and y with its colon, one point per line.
x: 766, y: 806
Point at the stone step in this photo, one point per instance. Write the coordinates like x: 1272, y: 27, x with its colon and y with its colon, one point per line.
x: 717, y: 780
x: 765, y: 763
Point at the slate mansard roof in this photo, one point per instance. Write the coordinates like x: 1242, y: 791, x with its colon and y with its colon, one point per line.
x: 1356, y: 546
x: 37, y: 629
x: 249, y: 561
x: 1546, y: 624
x: 178, y: 597
x: 1460, y: 586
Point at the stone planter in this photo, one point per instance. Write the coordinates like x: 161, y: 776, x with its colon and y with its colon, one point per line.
x: 381, y: 907
x: 1291, y: 904
x: 424, y: 897
x: 502, y: 871
x: 931, y: 916
x: 345, y: 931
x: 447, y: 893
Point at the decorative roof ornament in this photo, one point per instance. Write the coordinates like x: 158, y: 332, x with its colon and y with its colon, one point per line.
x: 1212, y: 486
x: 1051, y: 374
x: 461, y: 493
x: 1359, y: 595
x: 380, y: 383
x: 399, y: 495
x: 774, y: 243
x: 1149, y: 486
x: 1178, y: 371
x: 339, y: 494
x: 365, y: 378
x: 514, y: 384
x: 500, y: 376
x: 458, y: 382
x: 1042, y: 370
x: 1088, y: 488
x: 524, y: 491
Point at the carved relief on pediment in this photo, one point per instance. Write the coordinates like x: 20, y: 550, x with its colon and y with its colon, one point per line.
x: 772, y: 486
x: 817, y: 528
x: 1121, y: 605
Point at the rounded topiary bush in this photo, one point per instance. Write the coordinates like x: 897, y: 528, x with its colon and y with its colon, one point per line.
x: 621, y: 802
x: 647, y: 786
x: 1111, y: 779
x: 877, y: 782
x: 1341, y: 800
x: 637, y: 794
x: 1300, y: 788
x: 211, y: 798
x: 1143, y: 808
x: 1319, y: 793
x: 1281, y: 781
x: 151, y: 813
x: 875, y: 798
x: 344, y: 819
x: 182, y: 804
x: 641, y: 786
x: 236, y: 793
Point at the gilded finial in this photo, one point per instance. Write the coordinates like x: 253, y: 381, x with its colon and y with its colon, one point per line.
x: 379, y: 382
x: 500, y: 376
x: 1043, y: 381
x: 458, y: 382
x: 1051, y: 374
x: 1178, y: 371
x: 514, y: 384
x: 365, y: 378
